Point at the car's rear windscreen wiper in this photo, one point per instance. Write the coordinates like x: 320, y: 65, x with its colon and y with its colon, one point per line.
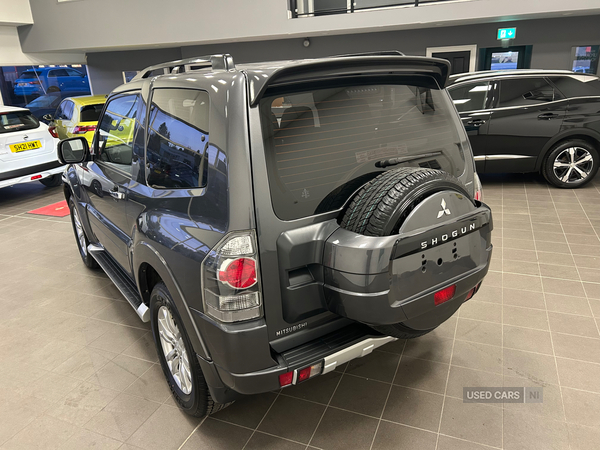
x: 393, y: 161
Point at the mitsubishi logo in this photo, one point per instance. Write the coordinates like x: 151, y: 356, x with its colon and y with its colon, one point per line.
x: 444, y: 210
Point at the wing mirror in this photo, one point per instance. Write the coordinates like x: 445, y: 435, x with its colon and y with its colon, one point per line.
x: 73, y: 151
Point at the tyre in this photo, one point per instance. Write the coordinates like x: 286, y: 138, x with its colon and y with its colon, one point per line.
x: 571, y: 164
x: 382, y: 205
x: 177, y: 357
x: 80, y: 237
x: 52, y: 181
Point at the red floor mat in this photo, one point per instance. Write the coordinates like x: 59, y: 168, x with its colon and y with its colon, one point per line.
x: 60, y: 209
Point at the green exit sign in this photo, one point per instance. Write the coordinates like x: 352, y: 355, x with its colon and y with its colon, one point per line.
x: 507, y: 33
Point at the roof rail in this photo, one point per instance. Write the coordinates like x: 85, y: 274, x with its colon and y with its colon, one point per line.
x: 380, y: 53
x: 217, y: 62
x: 484, y: 73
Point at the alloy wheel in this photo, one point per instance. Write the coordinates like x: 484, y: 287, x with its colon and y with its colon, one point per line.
x: 573, y: 165
x: 173, y: 347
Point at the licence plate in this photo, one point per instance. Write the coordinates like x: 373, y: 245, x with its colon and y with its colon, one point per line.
x: 16, y: 148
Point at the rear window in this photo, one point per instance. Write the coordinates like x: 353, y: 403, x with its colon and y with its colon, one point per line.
x: 91, y: 113
x: 29, y: 75
x: 323, y: 144
x: 17, y: 121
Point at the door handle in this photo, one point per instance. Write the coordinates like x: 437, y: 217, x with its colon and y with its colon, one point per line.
x: 476, y: 122
x: 548, y: 116
x: 114, y: 193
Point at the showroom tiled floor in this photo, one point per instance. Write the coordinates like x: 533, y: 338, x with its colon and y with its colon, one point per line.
x: 78, y: 370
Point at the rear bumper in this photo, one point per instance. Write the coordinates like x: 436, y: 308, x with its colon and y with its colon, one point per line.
x: 333, y: 350
x: 380, y: 308
x: 25, y: 175
x: 28, y: 90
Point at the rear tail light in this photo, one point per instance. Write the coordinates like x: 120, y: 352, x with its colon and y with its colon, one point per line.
x: 84, y: 129
x: 230, y: 283
x: 34, y: 82
x: 444, y: 295
x: 52, y: 131
x: 478, y: 188
x: 239, y: 273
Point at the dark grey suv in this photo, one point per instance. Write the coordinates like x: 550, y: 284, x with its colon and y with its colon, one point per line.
x: 532, y: 121
x: 273, y: 221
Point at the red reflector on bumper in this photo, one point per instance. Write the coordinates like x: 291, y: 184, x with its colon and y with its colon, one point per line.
x: 444, y: 295
x: 285, y: 379
x: 304, y: 374
x: 473, y: 291
x: 36, y: 177
x: 470, y: 294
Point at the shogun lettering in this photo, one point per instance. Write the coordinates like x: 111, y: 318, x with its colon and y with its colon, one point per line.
x: 448, y: 236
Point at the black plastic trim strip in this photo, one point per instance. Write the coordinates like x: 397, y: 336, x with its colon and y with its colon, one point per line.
x: 28, y: 170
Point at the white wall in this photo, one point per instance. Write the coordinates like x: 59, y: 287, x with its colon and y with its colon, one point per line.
x: 146, y: 24
x: 12, y: 55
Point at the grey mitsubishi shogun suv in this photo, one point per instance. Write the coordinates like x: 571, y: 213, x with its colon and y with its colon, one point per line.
x: 273, y: 221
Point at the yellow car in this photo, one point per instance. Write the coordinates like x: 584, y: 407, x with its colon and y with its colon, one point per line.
x: 77, y: 116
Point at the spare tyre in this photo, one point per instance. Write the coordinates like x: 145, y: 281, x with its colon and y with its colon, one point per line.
x: 381, y: 206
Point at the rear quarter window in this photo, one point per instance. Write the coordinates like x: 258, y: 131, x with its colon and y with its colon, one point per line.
x: 323, y: 144
x: 579, y: 86
x: 177, y: 138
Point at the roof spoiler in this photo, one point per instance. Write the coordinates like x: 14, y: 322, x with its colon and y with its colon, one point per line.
x: 357, y: 64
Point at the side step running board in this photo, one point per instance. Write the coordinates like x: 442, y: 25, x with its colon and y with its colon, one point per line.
x: 121, y: 281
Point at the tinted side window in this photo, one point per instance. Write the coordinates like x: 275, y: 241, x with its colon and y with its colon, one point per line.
x: 57, y: 73
x: 68, y: 110
x: 116, y: 133
x: 470, y: 97
x: 580, y: 87
x: 74, y: 73
x: 59, y: 111
x: 526, y: 92
x: 178, y: 138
